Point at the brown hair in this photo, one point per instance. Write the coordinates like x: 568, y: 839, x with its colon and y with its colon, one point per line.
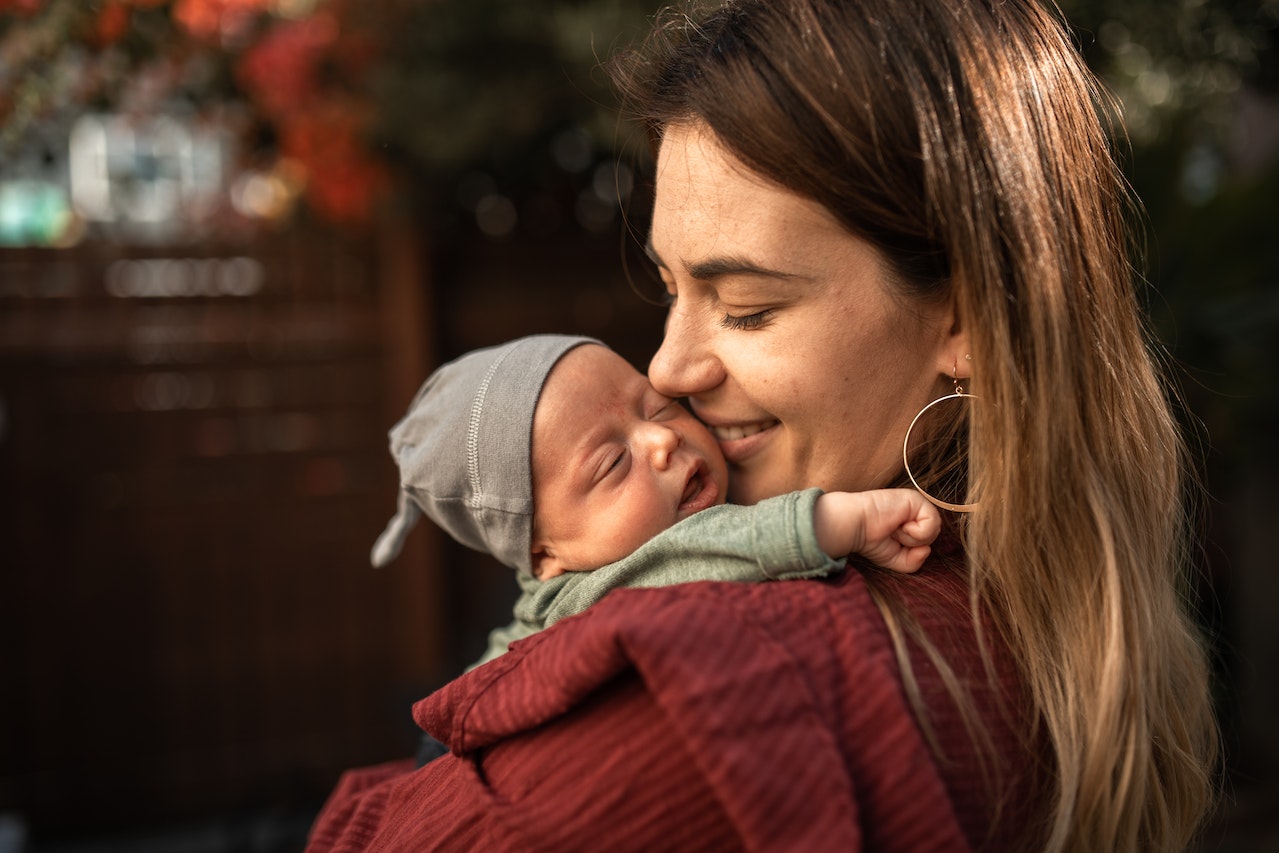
x: 965, y: 138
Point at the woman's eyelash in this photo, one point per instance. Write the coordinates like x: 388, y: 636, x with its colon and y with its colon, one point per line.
x: 747, y: 322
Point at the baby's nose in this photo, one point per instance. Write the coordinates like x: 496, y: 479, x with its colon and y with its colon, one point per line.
x: 663, y: 442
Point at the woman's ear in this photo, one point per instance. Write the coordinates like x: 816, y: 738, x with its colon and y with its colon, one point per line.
x: 954, y: 357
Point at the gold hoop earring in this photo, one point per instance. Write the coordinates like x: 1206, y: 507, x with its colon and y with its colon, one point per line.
x: 958, y: 394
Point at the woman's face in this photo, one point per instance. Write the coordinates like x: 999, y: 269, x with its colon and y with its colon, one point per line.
x: 785, y: 332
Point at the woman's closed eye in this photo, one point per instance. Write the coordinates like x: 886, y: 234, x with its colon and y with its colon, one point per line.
x: 746, y: 322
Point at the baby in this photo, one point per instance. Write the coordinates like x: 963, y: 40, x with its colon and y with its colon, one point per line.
x: 557, y: 457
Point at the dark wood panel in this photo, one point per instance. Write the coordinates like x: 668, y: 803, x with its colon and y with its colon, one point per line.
x: 189, y: 486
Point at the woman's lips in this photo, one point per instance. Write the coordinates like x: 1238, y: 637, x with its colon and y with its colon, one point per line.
x: 739, y: 441
x: 736, y: 431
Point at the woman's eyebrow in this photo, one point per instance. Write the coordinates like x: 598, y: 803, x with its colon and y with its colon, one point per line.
x: 711, y: 268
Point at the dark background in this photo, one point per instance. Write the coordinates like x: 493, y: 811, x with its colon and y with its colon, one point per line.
x: 300, y: 208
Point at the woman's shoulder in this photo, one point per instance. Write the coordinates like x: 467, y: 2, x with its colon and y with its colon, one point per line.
x: 776, y: 710
x: 688, y: 640
x: 784, y: 692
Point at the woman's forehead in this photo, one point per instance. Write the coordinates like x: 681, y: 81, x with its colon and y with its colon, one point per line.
x: 710, y: 210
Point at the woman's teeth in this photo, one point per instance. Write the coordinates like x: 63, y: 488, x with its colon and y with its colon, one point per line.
x: 730, y: 433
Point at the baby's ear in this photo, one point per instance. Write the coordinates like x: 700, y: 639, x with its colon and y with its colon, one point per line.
x: 545, y: 564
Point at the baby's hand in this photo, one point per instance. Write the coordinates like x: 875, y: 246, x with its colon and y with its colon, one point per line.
x: 893, y: 528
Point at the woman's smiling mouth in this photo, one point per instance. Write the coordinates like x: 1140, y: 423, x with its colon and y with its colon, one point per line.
x: 740, y: 441
x: 734, y: 432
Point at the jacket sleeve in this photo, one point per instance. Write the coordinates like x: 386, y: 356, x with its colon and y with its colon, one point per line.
x: 609, y: 765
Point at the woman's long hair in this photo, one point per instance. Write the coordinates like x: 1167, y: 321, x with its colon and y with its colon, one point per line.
x: 967, y: 140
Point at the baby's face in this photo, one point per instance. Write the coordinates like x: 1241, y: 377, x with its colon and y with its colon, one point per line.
x: 614, y: 463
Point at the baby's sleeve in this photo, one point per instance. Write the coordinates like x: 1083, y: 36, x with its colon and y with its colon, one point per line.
x: 772, y: 540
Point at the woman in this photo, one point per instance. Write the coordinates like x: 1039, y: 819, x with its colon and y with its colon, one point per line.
x: 861, y: 208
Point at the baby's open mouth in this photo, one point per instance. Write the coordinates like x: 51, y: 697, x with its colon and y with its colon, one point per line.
x: 700, y: 492
x: 692, y: 487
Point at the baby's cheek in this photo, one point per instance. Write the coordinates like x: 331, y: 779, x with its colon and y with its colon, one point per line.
x: 642, y: 522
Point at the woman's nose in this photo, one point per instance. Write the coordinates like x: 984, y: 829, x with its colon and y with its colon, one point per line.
x: 684, y: 365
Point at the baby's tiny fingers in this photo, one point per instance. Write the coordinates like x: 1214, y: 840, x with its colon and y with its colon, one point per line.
x: 911, y: 559
x: 904, y: 539
x: 921, y: 531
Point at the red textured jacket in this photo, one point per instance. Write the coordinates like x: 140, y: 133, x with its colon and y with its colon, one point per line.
x: 710, y: 716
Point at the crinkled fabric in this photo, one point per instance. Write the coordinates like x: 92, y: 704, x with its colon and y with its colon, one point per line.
x: 711, y: 716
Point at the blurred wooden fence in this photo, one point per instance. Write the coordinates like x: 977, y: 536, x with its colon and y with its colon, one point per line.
x: 192, y: 469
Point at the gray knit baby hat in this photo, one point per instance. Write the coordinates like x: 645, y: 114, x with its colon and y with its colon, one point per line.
x: 463, y: 449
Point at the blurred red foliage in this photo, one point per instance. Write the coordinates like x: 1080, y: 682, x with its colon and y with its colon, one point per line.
x: 21, y: 7
x: 209, y: 19
x: 300, y: 69
x: 297, y: 75
x: 343, y: 181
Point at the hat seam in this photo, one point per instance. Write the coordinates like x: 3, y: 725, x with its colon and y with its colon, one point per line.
x: 473, y: 432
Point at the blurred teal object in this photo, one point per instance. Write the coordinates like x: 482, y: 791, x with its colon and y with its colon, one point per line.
x: 33, y: 213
